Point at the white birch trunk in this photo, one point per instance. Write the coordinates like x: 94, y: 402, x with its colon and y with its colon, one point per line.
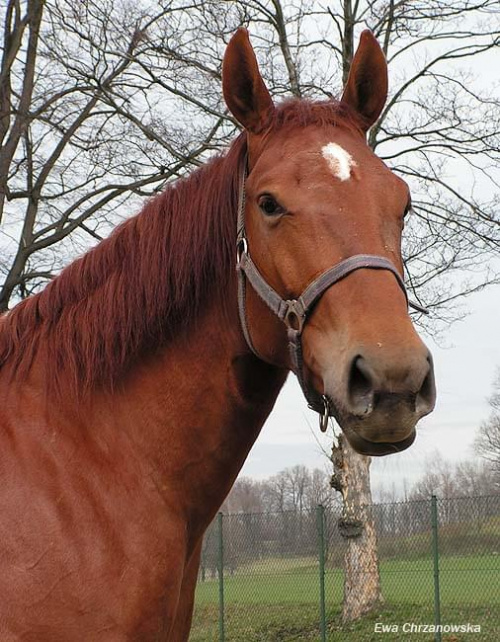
x: 362, y: 591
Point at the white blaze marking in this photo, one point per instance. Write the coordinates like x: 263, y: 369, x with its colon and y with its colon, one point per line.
x: 339, y: 160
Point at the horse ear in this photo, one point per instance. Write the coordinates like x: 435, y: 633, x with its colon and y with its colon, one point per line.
x: 244, y: 90
x: 366, y: 87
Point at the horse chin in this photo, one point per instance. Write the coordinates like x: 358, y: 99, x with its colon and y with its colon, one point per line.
x: 389, y: 429
x: 365, y: 446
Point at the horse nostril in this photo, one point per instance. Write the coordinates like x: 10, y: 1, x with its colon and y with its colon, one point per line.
x: 426, y: 396
x: 360, y: 387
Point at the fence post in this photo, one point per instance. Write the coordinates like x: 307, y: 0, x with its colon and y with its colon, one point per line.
x: 435, y: 554
x: 320, y: 515
x: 221, y: 576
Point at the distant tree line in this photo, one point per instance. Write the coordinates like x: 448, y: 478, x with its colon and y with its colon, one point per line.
x: 293, y: 489
x: 267, y: 522
x: 298, y: 489
x: 488, y: 439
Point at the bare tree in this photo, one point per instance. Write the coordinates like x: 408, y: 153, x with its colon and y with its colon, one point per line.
x: 93, y: 111
x: 448, y: 480
x: 487, y: 442
x: 351, y: 478
x: 245, y: 497
x: 475, y: 478
x: 319, y: 491
x: 298, y: 481
x: 438, y: 479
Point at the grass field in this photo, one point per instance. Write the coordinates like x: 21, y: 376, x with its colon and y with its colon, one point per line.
x: 278, y: 601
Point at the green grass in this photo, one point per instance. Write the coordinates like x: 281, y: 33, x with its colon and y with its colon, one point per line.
x: 277, y: 600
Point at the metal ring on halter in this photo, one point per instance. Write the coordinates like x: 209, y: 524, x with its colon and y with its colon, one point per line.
x: 323, y: 418
x: 241, y: 248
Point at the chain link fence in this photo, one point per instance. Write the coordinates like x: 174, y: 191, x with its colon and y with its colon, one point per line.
x: 279, y: 576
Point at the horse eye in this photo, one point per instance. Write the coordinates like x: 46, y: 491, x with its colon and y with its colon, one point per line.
x: 269, y: 205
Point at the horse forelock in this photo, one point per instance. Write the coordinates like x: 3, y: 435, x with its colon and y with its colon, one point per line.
x: 324, y: 113
x: 129, y: 294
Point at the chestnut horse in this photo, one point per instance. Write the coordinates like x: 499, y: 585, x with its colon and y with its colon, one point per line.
x: 133, y: 387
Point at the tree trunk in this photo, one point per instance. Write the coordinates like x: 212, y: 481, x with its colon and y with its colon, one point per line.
x: 362, y: 591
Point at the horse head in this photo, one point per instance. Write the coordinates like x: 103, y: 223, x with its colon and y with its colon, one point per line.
x: 322, y: 218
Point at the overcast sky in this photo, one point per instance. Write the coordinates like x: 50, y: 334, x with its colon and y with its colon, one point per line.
x: 465, y: 363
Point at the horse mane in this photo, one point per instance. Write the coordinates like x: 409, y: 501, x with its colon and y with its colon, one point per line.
x: 130, y: 293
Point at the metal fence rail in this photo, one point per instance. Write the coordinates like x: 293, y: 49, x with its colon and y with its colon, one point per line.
x: 279, y: 576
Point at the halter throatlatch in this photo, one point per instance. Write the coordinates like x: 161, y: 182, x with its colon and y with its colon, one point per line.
x: 294, y: 312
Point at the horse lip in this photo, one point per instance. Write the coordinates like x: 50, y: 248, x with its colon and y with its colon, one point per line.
x: 377, y: 449
x: 365, y: 446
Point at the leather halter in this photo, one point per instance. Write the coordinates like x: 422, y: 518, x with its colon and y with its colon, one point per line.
x: 294, y: 312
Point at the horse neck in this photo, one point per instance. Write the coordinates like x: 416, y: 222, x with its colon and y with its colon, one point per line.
x: 194, y: 410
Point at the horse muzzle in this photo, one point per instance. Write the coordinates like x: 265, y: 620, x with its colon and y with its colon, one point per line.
x: 382, y: 401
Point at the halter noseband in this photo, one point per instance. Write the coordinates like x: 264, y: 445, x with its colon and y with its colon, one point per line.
x: 294, y: 312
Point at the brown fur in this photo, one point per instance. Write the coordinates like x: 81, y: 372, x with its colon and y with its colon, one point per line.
x: 129, y: 399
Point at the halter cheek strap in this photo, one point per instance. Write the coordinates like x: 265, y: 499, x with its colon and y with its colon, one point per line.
x: 294, y: 312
